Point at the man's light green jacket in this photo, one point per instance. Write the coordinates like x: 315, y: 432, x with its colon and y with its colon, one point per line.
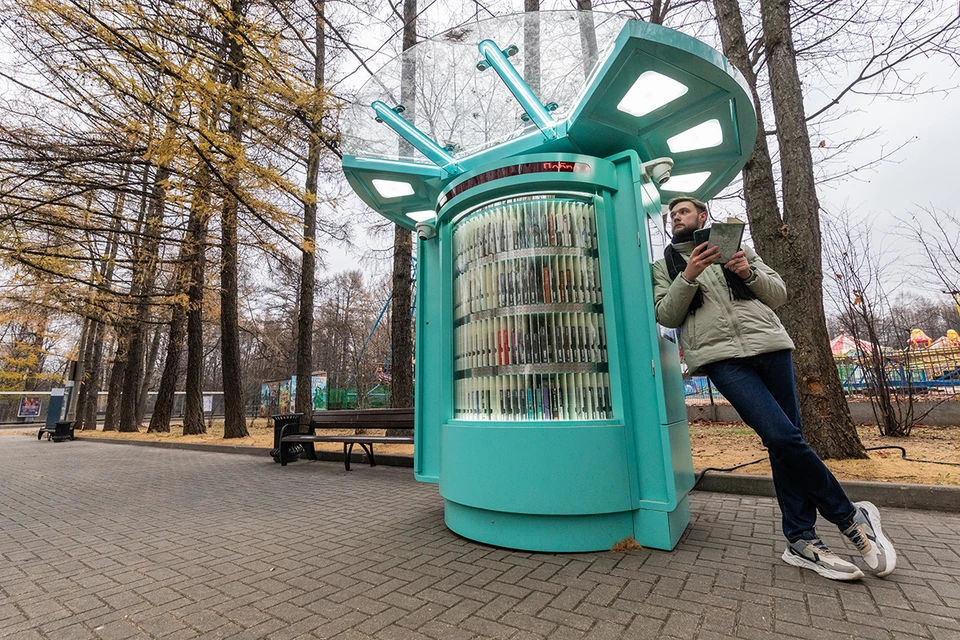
x: 723, y: 327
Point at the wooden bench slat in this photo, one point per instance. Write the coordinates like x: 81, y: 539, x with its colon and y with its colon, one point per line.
x: 306, y: 437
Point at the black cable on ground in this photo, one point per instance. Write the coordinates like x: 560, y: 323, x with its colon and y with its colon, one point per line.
x: 903, y: 455
x: 739, y: 466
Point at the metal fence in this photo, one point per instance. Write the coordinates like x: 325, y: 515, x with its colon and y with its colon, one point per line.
x: 27, y: 407
x: 376, y: 398
x: 922, y: 371
x: 699, y: 390
x: 14, y: 404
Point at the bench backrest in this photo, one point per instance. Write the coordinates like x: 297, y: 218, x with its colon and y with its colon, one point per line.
x: 361, y: 418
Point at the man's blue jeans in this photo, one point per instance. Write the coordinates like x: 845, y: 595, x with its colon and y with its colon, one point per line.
x: 763, y: 391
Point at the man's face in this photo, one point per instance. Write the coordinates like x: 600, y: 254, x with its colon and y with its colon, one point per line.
x: 685, y: 218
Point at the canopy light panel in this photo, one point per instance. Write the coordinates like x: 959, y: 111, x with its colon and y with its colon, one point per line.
x: 703, y: 136
x: 393, y: 188
x: 651, y: 91
x: 687, y: 183
x: 422, y: 216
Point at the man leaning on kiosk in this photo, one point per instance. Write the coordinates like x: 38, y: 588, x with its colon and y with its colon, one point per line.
x: 728, y: 331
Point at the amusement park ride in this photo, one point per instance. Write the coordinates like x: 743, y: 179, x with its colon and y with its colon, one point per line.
x: 533, y: 153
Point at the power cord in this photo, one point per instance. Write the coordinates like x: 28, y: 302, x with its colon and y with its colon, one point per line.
x: 903, y: 455
x: 739, y: 466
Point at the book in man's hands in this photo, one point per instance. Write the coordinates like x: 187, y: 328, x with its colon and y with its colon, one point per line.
x: 726, y: 235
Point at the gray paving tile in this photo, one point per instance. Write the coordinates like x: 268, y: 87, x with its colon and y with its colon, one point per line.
x: 158, y: 543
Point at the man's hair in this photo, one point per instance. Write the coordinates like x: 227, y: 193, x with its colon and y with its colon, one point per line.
x: 701, y: 206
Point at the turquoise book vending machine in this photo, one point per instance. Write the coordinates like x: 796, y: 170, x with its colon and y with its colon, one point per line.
x: 549, y: 407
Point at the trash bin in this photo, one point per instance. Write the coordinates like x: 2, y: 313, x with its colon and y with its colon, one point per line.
x: 63, y: 431
x: 279, y: 422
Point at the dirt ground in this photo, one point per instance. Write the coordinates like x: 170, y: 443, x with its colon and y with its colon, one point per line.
x: 714, y: 444
x: 722, y: 444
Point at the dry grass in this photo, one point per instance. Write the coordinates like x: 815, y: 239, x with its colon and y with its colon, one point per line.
x: 627, y: 544
x: 728, y: 444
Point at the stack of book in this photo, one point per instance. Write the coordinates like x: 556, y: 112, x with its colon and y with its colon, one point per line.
x: 529, y: 339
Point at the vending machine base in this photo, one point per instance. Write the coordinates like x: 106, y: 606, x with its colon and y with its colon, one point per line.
x: 568, y: 533
x: 557, y: 488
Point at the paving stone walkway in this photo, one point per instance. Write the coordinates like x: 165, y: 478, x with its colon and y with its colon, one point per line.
x: 106, y: 541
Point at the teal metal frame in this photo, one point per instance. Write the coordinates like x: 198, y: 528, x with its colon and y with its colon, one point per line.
x: 421, y: 141
x: 569, y: 485
x: 562, y: 485
x: 520, y: 90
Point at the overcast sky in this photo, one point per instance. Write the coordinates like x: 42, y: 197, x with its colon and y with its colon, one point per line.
x: 925, y: 171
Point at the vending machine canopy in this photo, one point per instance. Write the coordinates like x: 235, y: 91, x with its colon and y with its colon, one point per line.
x: 555, y: 81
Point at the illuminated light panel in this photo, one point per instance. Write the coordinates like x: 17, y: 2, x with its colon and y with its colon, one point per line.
x: 649, y: 92
x: 422, y: 216
x: 687, y: 182
x: 393, y: 188
x: 703, y: 136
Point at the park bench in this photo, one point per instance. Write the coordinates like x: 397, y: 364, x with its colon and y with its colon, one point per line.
x: 60, y: 432
x: 347, y: 419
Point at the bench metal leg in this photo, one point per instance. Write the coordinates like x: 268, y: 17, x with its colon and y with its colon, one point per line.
x: 347, y: 452
x: 368, y: 448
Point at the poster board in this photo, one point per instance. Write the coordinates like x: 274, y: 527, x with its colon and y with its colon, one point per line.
x: 29, y: 407
x: 280, y: 396
x: 283, y: 397
x: 319, y: 387
x: 270, y: 398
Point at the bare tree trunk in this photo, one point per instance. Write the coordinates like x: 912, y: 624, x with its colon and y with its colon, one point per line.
x: 401, y: 334
x: 117, y: 373
x: 83, y: 356
x: 797, y: 255
x: 531, y: 46
x: 146, y: 253
x: 588, y: 36
x: 89, y: 417
x: 107, y: 267
x: 200, y: 212
x: 308, y: 263
x: 658, y: 11
x: 759, y: 189
x: 234, y: 423
x: 150, y: 367
x: 193, y: 422
x: 163, y: 405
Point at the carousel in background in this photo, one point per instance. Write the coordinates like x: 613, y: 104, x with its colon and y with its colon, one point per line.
x: 923, y: 364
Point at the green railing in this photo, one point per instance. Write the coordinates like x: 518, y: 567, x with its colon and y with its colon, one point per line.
x: 376, y: 398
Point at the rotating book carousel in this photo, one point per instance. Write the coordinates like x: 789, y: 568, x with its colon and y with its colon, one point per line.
x: 530, y: 155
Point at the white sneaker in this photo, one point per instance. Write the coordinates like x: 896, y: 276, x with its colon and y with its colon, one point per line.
x: 877, y: 550
x: 813, y: 554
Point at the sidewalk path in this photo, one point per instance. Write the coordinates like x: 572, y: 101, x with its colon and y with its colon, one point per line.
x: 100, y: 541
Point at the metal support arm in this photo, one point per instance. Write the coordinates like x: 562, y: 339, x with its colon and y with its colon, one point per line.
x: 519, y: 88
x: 421, y: 141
